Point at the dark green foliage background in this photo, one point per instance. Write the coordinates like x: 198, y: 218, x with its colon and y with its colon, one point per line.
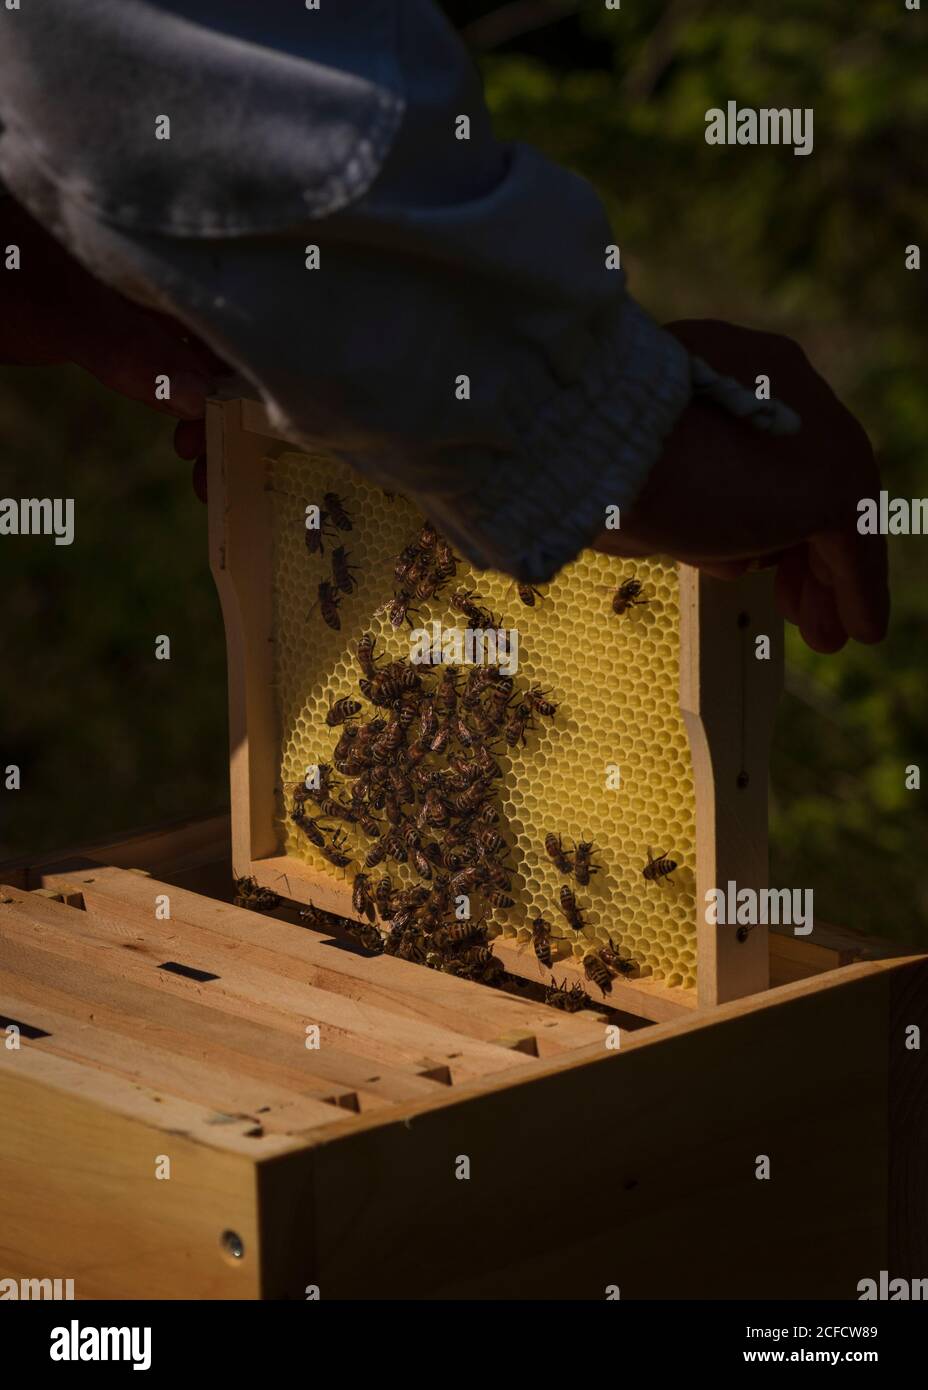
x: 108, y: 738
x: 814, y: 247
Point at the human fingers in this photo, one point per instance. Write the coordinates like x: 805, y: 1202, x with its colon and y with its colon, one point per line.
x: 856, y: 569
x: 788, y: 583
x: 819, y: 620
x: 128, y: 349
x: 190, y: 439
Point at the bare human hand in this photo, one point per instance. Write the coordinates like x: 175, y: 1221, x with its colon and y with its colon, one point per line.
x: 728, y: 498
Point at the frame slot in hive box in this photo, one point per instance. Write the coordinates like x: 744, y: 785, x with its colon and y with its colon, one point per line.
x: 658, y: 745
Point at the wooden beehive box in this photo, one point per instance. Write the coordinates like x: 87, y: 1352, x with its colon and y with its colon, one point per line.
x: 670, y: 695
x: 168, y: 1134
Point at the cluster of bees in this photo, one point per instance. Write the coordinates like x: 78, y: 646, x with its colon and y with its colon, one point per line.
x: 422, y: 569
x: 333, y: 517
x: 417, y: 776
x: 602, y: 966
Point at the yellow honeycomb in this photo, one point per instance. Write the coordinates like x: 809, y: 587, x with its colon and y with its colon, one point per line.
x: 614, y: 679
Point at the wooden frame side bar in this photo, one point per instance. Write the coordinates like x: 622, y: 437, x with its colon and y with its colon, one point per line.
x: 729, y: 698
x: 239, y: 510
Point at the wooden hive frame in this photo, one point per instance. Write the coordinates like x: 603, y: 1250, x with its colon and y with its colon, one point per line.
x: 728, y: 701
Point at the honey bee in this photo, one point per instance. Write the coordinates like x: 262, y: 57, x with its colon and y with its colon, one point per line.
x: 460, y: 932
x: 597, y: 973
x: 432, y: 852
x: 342, y: 572
x: 342, y: 710
x: 376, y: 854
x: 418, y: 571
x: 465, y: 733
x: 396, y: 849
x: 334, y: 852
x: 408, y: 711
x: 616, y: 962
x: 421, y: 864
x: 478, y: 955
x: 394, y: 941
x: 314, y: 535
x: 383, y: 894
x: 388, y: 742
x: 361, y: 899
x: 464, y: 601
x: 466, y: 880
x: 411, y: 836
x: 470, y: 800
x: 324, y: 777
x: 343, y: 747
x: 317, y: 918
x: 336, y: 510
x: 428, y: 537
x: 497, y: 704
x: 446, y: 563
x: 367, y: 936
x: 453, y: 858
x: 659, y: 867
x: 481, y: 726
x: 361, y: 788
x: 337, y: 810
x: 583, y: 865
x: 248, y: 893
x: 497, y: 898
x: 490, y: 841
x: 398, y: 610
x: 415, y: 896
x: 428, y: 719
x: 541, y: 941
x: 404, y: 563
x: 464, y: 772
x: 426, y: 588
x: 518, y: 722
x: 389, y: 685
x: 538, y: 701
x: 570, y: 1000
x: 570, y: 911
x: 434, y: 811
x: 557, y: 854
x: 400, y: 784
x: 527, y: 593
x: 309, y: 827
x: 368, y: 823
x: 413, y: 948
x: 473, y: 687
x: 626, y: 596
x: 328, y: 602
x: 366, y: 658
x: 445, y: 697
x: 442, y: 736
